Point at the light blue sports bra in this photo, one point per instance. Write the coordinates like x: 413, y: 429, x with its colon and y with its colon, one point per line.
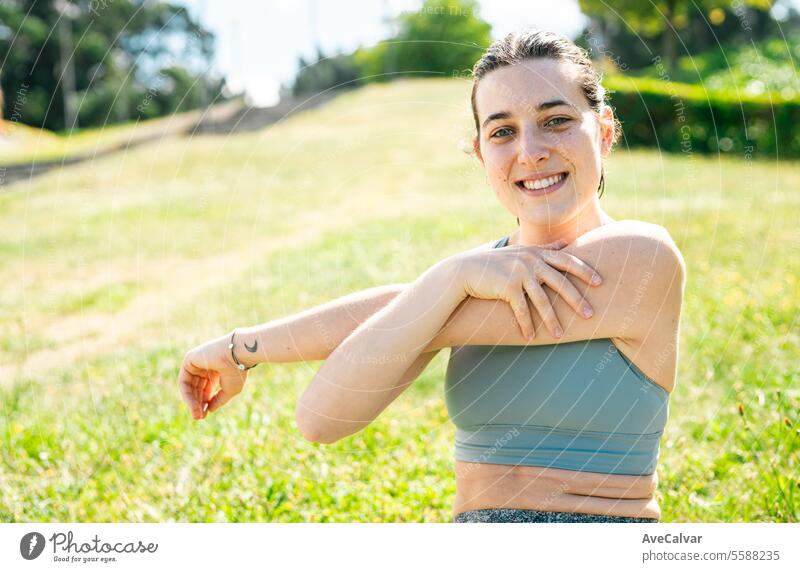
x: 582, y: 406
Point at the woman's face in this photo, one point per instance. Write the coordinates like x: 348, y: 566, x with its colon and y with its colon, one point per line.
x: 540, y: 142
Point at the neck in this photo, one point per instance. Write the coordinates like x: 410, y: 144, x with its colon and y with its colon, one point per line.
x: 589, y: 218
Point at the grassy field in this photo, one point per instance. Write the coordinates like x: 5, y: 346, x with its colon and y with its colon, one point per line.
x: 114, y: 268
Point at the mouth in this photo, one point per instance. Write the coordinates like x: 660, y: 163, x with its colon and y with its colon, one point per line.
x: 538, y: 186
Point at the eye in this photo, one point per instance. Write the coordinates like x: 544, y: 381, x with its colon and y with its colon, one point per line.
x: 551, y: 124
x: 502, y: 132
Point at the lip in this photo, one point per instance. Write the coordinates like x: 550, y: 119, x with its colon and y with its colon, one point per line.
x: 542, y: 192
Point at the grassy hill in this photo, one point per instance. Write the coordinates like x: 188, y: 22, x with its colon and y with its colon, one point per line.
x: 114, y: 268
x: 22, y: 144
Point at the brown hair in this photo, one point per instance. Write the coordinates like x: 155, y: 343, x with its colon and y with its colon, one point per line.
x: 519, y: 46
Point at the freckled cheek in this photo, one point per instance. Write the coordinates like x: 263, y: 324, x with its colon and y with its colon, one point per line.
x: 498, y: 166
x: 583, y: 143
x: 577, y: 149
x: 590, y: 155
x: 567, y: 143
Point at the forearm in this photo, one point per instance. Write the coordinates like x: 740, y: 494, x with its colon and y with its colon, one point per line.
x: 360, y: 377
x: 314, y: 333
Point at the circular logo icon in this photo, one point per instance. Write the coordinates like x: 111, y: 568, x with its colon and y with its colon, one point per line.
x: 31, y: 545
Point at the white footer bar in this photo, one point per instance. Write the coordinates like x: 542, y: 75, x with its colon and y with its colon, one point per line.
x: 400, y: 547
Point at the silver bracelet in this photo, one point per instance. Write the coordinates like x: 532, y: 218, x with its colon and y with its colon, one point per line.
x: 241, y: 366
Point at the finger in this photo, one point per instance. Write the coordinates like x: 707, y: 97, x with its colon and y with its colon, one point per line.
x: 219, y: 399
x: 211, y: 383
x: 542, y: 304
x: 229, y: 387
x: 189, y: 385
x: 523, y: 313
x: 560, y: 284
x: 199, y: 399
x: 215, y: 382
x: 574, y: 265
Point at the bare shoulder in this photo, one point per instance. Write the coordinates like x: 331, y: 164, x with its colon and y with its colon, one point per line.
x: 637, y: 232
x: 634, y: 247
x: 649, y: 271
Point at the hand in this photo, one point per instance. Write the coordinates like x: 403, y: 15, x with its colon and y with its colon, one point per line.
x: 511, y: 272
x: 203, y: 368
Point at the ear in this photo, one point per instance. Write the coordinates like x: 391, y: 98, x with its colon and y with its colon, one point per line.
x: 476, y: 146
x: 606, y: 121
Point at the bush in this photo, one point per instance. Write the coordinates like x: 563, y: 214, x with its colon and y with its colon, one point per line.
x: 688, y: 118
x: 755, y: 68
x: 326, y: 73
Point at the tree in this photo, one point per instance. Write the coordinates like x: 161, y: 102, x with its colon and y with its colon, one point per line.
x: 664, y: 18
x: 122, y: 54
x: 442, y: 37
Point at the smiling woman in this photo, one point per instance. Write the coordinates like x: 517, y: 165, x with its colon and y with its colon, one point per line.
x: 563, y: 428
x: 566, y: 115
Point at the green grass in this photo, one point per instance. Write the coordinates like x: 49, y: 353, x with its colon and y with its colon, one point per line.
x: 112, y: 271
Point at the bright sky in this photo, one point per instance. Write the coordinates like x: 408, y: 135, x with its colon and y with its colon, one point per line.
x: 259, y: 42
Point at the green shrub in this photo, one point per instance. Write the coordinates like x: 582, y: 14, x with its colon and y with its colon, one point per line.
x: 688, y: 118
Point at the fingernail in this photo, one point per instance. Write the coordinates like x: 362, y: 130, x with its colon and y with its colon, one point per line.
x: 559, y: 333
x: 587, y: 311
x: 596, y: 280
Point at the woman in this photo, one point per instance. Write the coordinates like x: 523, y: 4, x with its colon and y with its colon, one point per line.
x: 558, y: 420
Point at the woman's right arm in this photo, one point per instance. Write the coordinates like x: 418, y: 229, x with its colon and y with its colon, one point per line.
x: 305, y: 336
x: 311, y: 334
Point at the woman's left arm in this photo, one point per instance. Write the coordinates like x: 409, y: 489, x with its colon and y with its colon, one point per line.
x: 374, y: 357
x: 644, y: 277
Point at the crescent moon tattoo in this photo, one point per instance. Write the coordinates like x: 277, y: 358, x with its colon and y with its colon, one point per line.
x: 253, y: 349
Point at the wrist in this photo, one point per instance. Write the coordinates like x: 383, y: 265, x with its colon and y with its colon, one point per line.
x: 247, y: 349
x: 446, y: 277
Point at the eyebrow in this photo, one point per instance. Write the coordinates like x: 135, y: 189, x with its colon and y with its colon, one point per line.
x: 540, y: 107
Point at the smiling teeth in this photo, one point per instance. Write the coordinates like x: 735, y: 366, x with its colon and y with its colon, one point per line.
x: 542, y: 183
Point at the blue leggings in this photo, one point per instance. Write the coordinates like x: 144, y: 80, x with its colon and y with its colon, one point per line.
x: 526, y: 515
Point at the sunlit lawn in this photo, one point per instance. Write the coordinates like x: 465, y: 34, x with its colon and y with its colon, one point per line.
x: 113, y: 269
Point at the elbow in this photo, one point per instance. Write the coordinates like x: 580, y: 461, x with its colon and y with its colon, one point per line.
x: 311, y: 428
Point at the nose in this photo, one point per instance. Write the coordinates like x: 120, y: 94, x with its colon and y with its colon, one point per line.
x: 532, y: 149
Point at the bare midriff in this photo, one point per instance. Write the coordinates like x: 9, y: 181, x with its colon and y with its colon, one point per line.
x: 483, y: 485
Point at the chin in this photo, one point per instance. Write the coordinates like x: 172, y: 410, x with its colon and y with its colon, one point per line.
x: 546, y: 215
